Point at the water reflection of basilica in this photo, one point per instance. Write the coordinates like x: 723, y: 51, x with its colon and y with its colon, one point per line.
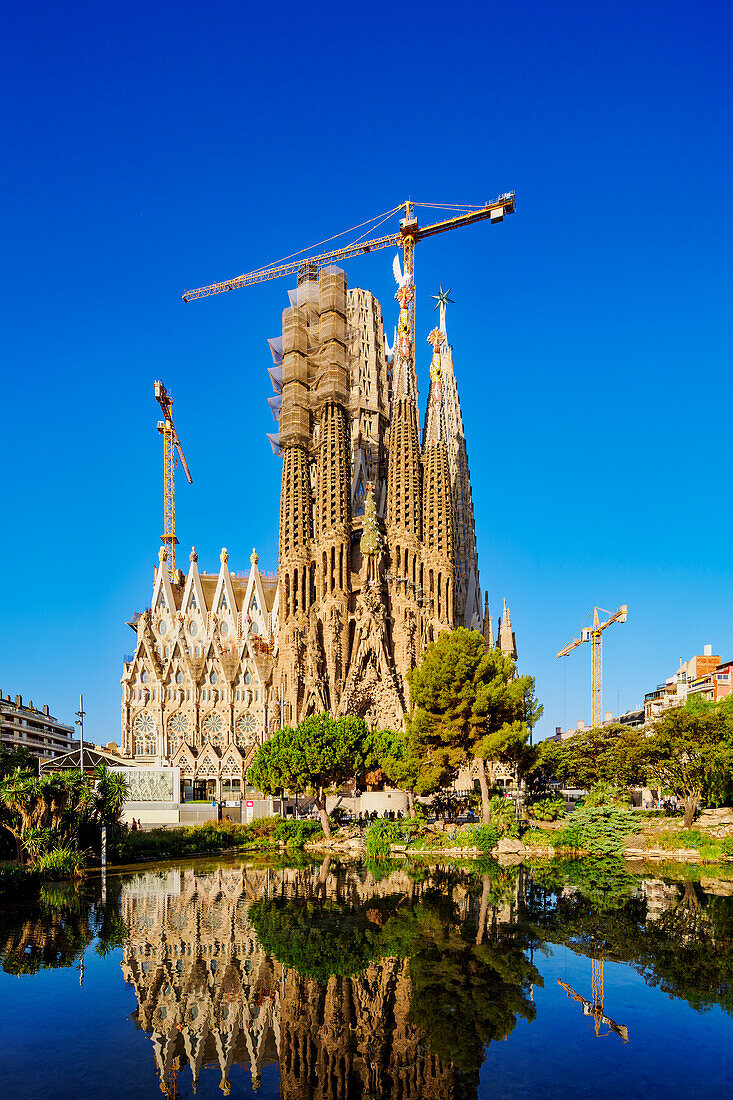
x: 209, y: 995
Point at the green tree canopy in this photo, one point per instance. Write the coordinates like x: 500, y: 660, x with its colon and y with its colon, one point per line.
x: 317, y: 755
x: 395, y: 753
x: 690, y: 750
x: 468, y: 703
x: 609, y: 754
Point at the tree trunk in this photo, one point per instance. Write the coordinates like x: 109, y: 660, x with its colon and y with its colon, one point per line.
x: 485, y: 886
x: 690, y: 803
x: 483, y: 784
x: 411, y: 803
x: 323, y: 875
x: 320, y: 800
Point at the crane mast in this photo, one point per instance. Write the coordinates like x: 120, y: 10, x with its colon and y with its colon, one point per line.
x: 594, y: 635
x: 410, y: 232
x: 171, y: 449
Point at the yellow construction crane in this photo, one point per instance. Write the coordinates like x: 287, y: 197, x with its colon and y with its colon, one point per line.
x: 594, y: 1009
x: 594, y: 635
x: 409, y: 233
x: 171, y: 446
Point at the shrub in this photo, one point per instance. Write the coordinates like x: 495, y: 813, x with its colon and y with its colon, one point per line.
x: 431, y: 842
x: 601, y: 830
x: 483, y: 837
x: 60, y: 863
x: 540, y: 838
x: 503, y: 815
x: 380, y: 836
x: 547, y: 809
x: 726, y: 846
x: 706, y: 845
x: 296, y: 833
x: 13, y: 878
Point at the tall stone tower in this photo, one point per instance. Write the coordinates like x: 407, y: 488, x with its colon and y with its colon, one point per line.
x: 468, y: 610
x: 370, y: 553
x: 438, y: 564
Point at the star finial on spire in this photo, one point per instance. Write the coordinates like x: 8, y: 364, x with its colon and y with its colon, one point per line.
x: 441, y: 301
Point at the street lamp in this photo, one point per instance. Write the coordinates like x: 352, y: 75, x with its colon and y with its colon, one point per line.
x: 80, y: 723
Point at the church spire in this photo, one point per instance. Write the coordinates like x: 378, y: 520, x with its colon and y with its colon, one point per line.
x: 467, y: 590
x: 404, y: 378
x: 488, y: 630
x: 437, y: 502
x: 442, y: 300
x: 507, y: 642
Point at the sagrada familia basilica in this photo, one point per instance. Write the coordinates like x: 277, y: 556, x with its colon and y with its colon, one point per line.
x: 377, y: 551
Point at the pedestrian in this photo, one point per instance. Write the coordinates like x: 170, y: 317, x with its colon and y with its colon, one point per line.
x: 134, y: 825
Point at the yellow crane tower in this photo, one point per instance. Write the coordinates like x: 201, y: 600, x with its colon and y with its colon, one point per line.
x: 594, y: 635
x: 171, y: 446
x: 409, y: 233
x: 594, y: 1009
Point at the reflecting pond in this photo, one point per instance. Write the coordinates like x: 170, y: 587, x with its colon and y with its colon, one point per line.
x: 327, y: 981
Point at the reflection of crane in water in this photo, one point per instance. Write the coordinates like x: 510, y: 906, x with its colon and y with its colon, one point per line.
x: 594, y: 1008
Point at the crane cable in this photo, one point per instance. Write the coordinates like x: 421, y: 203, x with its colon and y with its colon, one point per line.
x: 311, y: 247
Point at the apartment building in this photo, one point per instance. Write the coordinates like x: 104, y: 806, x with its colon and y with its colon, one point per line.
x: 24, y: 726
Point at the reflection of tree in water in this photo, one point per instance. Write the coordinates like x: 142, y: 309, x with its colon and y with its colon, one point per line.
x: 424, y: 983
x: 56, y: 930
x: 682, y: 943
x: 391, y: 984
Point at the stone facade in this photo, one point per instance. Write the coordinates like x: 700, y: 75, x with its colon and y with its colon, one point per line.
x: 368, y: 555
x: 195, y: 691
x: 377, y: 552
x: 209, y: 995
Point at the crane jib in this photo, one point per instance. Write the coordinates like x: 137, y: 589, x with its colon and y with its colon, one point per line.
x: 409, y: 231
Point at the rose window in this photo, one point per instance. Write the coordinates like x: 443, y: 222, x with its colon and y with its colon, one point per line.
x: 213, y: 723
x: 144, y: 723
x: 178, y: 723
x: 246, y: 729
x: 213, y: 727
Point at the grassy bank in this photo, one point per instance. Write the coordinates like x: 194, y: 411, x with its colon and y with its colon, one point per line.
x: 264, y: 834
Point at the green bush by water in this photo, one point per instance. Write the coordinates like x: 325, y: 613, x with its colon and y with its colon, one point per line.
x: 601, y: 830
x: 60, y: 863
x: 380, y: 836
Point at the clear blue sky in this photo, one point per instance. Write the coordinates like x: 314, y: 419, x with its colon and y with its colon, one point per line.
x: 152, y: 148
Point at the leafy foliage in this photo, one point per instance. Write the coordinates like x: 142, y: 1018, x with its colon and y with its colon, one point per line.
x: 63, y: 809
x: 606, y: 794
x: 690, y: 751
x: 59, y: 863
x: 214, y: 836
x: 613, y: 754
x: 547, y: 809
x: 394, y: 753
x: 485, y: 837
x: 319, y: 754
x: 600, y: 830
x: 380, y: 836
x: 468, y: 704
